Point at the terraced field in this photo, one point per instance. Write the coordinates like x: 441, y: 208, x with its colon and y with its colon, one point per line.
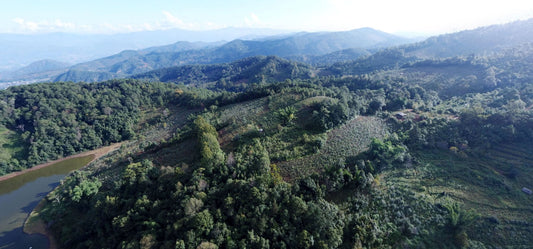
x: 490, y: 183
x: 347, y: 140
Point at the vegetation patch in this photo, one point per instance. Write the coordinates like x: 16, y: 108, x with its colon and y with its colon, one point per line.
x: 345, y: 141
x: 11, y: 146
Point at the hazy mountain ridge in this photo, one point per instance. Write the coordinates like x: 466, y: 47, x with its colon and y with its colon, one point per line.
x: 482, y: 41
x: 22, y: 49
x: 257, y: 69
x: 313, y: 44
x: 35, y: 72
x: 350, y: 49
x: 332, y: 58
x: 477, y: 41
x: 35, y: 67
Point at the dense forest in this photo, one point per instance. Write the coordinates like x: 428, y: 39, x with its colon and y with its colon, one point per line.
x: 47, y: 121
x: 387, y: 151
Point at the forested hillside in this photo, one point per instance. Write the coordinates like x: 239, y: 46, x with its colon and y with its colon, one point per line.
x: 387, y: 151
x: 484, y: 40
x: 47, y: 121
x: 426, y: 154
x: 306, y: 47
x: 235, y: 75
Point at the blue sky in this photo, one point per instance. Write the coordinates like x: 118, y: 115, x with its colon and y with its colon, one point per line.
x: 116, y: 16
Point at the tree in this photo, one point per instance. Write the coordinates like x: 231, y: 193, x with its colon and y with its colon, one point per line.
x: 458, y: 220
x: 210, y: 152
x: 286, y: 115
x: 375, y: 106
x: 85, y: 189
x: 203, y: 222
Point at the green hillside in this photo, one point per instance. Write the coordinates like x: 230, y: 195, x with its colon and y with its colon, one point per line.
x: 232, y: 76
x: 388, y: 151
x: 306, y: 47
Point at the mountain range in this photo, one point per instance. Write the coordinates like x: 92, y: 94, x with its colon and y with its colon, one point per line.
x: 329, y: 51
x: 307, y: 47
x: 20, y: 50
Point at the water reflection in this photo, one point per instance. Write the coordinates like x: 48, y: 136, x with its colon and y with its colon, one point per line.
x: 59, y: 168
x: 21, y: 194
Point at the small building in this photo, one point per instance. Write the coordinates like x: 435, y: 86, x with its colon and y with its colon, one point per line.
x: 400, y: 115
x: 527, y: 191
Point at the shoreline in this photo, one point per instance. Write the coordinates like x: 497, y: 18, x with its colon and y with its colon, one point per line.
x: 96, y: 152
x: 33, y: 224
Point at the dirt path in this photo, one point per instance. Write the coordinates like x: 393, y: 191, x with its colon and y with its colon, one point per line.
x: 97, y: 154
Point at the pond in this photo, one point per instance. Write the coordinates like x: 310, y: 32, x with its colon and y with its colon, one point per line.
x: 21, y: 194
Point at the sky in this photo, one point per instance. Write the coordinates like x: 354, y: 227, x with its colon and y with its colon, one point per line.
x: 393, y: 16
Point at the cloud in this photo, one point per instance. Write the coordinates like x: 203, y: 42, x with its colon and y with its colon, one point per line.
x: 26, y: 25
x: 43, y: 26
x: 166, y: 21
x: 172, y: 20
x: 58, y: 24
x: 252, y: 20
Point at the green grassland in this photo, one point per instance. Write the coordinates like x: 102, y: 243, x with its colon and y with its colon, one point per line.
x: 10, y: 145
x: 489, y: 183
x: 347, y: 140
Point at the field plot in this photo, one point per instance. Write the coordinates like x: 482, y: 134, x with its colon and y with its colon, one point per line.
x: 490, y: 183
x: 347, y: 140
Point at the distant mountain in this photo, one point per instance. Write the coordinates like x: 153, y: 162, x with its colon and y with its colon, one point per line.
x: 337, y: 53
x: 38, y: 69
x: 19, y: 50
x: 181, y: 46
x: 382, y: 60
x: 41, y: 66
x: 258, y: 69
x: 345, y: 55
x: 483, y: 41
x: 84, y: 76
x: 477, y: 41
x: 297, y: 45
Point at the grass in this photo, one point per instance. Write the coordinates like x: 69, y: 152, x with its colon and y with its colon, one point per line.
x: 480, y: 182
x: 10, y: 144
x: 154, y: 128
x: 345, y: 141
x: 258, y: 118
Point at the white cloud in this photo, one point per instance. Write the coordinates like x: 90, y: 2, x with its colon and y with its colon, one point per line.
x: 166, y: 20
x: 58, y: 24
x: 43, y: 26
x: 173, y: 21
x: 252, y: 20
x: 26, y: 25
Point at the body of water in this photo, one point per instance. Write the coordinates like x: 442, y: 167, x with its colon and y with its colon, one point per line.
x: 21, y: 194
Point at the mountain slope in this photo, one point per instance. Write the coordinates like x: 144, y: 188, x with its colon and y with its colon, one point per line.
x: 258, y: 69
x: 345, y: 55
x: 22, y: 49
x: 413, y: 154
x: 477, y: 41
x: 40, y: 68
x: 293, y: 45
x: 481, y: 42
